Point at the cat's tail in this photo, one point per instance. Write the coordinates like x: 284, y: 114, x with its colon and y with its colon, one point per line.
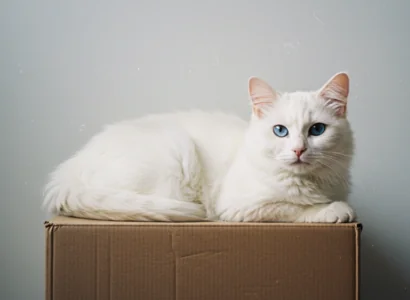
x: 119, y: 205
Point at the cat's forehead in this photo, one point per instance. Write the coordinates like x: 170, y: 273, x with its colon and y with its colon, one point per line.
x: 300, y: 108
x: 298, y: 99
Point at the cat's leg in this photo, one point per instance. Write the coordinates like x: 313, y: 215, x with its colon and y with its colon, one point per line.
x: 334, y: 212
x: 271, y: 211
x: 262, y: 212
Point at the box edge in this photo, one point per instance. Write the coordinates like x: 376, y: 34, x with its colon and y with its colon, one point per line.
x: 358, y: 231
x: 58, y: 221
x: 49, y: 262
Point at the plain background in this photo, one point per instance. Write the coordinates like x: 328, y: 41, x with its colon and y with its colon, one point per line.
x: 68, y: 67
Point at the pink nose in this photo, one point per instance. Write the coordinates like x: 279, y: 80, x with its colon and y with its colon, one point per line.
x: 299, y: 152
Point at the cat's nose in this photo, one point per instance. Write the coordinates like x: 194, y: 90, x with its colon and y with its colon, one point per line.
x: 299, y: 151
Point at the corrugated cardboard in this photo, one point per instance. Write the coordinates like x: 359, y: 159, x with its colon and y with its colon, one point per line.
x: 201, y: 261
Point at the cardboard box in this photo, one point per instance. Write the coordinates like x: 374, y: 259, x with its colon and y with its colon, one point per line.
x: 201, y: 261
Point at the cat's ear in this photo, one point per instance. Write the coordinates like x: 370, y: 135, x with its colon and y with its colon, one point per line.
x: 262, y: 96
x: 336, y: 92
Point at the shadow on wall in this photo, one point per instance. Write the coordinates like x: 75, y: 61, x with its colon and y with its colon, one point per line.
x: 380, y: 279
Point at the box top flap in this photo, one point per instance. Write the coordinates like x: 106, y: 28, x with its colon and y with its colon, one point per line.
x: 69, y: 221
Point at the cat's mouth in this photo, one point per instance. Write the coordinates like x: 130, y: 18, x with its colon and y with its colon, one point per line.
x: 299, y: 162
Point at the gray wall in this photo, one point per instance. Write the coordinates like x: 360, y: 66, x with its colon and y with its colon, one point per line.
x: 68, y: 67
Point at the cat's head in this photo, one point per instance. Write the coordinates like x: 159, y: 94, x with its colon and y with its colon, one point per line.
x: 302, y: 131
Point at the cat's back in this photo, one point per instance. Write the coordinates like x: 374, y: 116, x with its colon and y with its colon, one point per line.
x: 215, y: 134
x: 203, y: 127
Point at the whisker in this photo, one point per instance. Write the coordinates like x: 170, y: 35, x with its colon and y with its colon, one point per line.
x: 335, y: 160
x: 333, y: 155
x: 343, y: 180
x: 337, y: 153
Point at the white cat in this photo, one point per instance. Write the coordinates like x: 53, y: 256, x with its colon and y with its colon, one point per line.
x: 290, y: 163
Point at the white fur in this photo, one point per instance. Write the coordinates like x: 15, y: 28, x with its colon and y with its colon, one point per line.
x: 194, y: 165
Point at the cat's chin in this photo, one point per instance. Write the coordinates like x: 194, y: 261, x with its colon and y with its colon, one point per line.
x: 300, y: 167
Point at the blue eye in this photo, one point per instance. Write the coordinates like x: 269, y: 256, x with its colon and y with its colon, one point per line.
x: 317, y: 129
x: 280, y: 130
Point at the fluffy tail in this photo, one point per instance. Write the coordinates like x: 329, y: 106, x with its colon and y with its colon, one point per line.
x: 118, y: 205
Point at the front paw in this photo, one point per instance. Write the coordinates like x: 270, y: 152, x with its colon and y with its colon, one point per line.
x: 335, y: 212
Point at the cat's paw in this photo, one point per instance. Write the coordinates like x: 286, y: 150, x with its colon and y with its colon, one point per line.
x: 335, y: 212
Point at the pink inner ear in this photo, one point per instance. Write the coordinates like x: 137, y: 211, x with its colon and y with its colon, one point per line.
x: 337, y: 86
x: 260, y: 91
x: 336, y: 91
x: 262, y: 95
